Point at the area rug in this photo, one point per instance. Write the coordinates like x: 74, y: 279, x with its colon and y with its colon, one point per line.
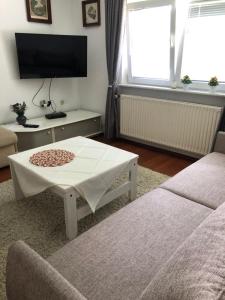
x: 39, y: 220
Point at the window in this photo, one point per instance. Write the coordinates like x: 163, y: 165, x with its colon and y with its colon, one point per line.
x: 167, y: 40
x: 204, y: 48
x: 150, y: 49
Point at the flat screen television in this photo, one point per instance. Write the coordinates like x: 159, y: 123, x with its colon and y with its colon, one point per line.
x: 51, y: 56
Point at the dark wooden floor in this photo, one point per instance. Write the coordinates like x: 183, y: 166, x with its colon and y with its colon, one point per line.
x: 161, y: 161
x: 155, y: 159
x: 4, y: 174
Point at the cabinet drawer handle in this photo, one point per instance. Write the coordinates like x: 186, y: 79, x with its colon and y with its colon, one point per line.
x: 62, y: 128
x: 49, y: 132
x: 95, y: 120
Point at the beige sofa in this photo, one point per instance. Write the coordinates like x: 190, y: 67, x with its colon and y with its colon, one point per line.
x: 167, y: 245
x: 8, y: 145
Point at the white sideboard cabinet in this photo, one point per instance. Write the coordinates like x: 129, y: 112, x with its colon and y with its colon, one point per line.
x: 76, y: 123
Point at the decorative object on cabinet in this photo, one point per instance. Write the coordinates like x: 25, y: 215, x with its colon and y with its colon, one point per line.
x: 39, y: 11
x: 19, y: 109
x: 91, y: 13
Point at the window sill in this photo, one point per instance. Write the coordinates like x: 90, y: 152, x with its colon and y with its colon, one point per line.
x: 174, y: 90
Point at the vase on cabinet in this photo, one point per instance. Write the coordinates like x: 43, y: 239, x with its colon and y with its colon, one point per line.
x: 21, y: 119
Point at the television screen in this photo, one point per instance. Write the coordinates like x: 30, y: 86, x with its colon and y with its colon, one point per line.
x: 51, y: 56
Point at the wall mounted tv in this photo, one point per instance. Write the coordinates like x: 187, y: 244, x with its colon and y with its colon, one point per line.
x: 51, y: 56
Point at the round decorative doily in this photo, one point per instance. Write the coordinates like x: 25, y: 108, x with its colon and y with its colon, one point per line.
x: 52, y: 158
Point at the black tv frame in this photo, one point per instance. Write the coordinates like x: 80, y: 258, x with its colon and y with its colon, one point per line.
x: 44, y: 53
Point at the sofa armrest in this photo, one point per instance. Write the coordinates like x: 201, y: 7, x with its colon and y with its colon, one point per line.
x: 7, y: 137
x: 30, y: 277
x: 220, y: 142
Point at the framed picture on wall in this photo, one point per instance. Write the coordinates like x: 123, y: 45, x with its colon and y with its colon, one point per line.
x: 91, y: 13
x: 39, y: 11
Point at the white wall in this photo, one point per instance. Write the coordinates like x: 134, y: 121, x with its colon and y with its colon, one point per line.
x: 93, y: 90
x: 13, y: 19
x: 88, y: 93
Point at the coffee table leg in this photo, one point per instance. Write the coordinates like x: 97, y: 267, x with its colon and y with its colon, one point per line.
x: 70, y: 208
x: 18, y: 192
x: 133, y: 181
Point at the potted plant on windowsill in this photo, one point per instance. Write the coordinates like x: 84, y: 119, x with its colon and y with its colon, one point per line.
x: 19, y: 109
x: 186, y: 80
x: 213, y: 83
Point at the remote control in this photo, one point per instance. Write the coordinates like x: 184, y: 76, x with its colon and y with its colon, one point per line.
x: 30, y: 126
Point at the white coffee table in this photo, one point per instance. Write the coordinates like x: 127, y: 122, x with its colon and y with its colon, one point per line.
x: 90, y: 175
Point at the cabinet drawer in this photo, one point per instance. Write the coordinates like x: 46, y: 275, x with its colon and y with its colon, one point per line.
x: 82, y: 128
x: 29, y: 140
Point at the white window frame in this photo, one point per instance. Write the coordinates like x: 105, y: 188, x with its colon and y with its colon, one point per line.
x: 175, y: 67
x: 196, y: 84
x: 151, y: 81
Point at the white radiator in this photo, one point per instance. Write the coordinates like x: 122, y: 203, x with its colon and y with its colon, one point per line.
x: 185, y: 126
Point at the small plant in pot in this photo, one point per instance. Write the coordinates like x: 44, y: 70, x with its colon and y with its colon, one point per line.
x: 213, y: 83
x: 186, y: 80
x: 19, y: 109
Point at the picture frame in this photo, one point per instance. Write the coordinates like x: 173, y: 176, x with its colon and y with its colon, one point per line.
x: 39, y: 11
x: 91, y: 13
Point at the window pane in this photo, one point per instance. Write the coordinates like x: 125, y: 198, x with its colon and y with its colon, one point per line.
x: 149, y: 31
x: 204, y: 48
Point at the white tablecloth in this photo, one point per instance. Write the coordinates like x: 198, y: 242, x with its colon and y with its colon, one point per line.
x: 91, y: 173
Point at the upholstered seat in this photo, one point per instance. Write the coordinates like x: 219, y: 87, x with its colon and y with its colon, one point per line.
x: 202, y: 182
x: 118, y: 257
x: 8, y: 145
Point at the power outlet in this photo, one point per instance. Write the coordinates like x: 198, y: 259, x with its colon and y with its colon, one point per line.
x: 43, y: 103
x: 62, y: 102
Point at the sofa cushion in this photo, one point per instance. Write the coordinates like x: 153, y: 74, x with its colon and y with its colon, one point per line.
x: 29, y: 276
x: 7, y: 137
x: 197, y: 268
x: 4, y: 154
x: 202, y: 182
x: 117, y: 258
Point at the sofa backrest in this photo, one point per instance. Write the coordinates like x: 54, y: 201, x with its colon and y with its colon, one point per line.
x: 219, y: 145
x: 30, y: 277
x: 197, y: 269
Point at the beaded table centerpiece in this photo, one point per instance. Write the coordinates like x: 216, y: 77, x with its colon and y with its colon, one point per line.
x: 52, y: 158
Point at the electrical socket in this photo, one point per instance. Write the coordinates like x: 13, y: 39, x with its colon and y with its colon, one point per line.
x: 43, y: 103
x: 62, y: 102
